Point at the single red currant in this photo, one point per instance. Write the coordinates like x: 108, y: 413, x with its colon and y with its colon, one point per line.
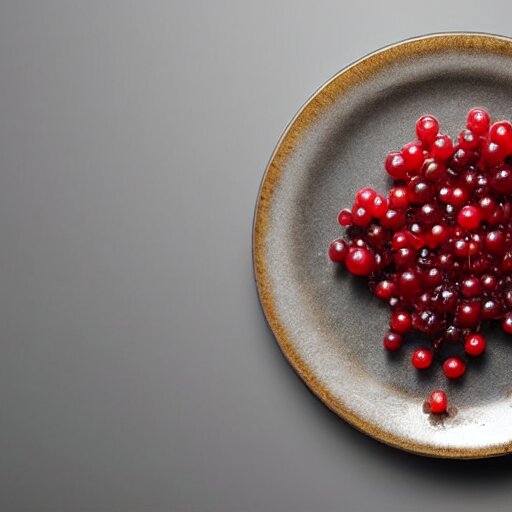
x: 432, y: 278
x: 469, y: 217
x: 379, y: 206
x: 429, y: 214
x: 345, y: 217
x: 338, y: 250
x: 393, y: 341
x: 500, y: 180
x: 419, y: 191
x: 469, y: 178
x: 478, y: 121
x: 360, y: 261
x: 412, y: 154
x: 475, y: 344
x: 400, y: 322
x: 495, y: 241
x: 445, y: 194
x: 459, y: 196
x: 488, y: 206
x: 506, y: 323
x: 501, y: 134
x: 468, y: 140
x: 491, y: 309
x: 403, y: 257
x: 438, y: 235
x: 427, y: 127
x: 438, y: 402
x: 361, y: 216
x: 409, y: 284
x: 400, y: 240
x: 422, y: 358
x: 385, y: 289
x: 454, y: 368
x: 365, y: 196
x: 416, y: 241
x: 442, y: 147
x: 377, y: 236
x: 393, y: 219
x: 493, y: 153
x: 433, y: 170
x: 398, y: 197
x: 462, y: 159
x: 468, y: 314
x: 395, y: 166
x: 470, y: 287
x: 489, y: 282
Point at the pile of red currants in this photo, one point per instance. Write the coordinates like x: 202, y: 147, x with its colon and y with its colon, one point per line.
x: 438, y: 248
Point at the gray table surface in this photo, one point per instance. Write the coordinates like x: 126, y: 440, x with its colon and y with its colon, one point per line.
x: 137, y: 372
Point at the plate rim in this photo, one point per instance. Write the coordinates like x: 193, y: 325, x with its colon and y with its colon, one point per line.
x: 352, y: 75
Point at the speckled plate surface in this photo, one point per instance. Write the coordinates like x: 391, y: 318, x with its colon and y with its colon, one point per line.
x: 327, y: 324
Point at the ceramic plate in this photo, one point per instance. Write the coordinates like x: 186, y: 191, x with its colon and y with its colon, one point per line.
x: 327, y: 324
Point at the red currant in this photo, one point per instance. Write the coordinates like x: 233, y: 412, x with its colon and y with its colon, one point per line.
x: 379, y: 206
x: 501, y: 134
x: 475, y: 344
x: 393, y: 219
x: 469, y: 217
x: 495, y: 241
x: 419, y: 191
x: 345, y: 217
x: 361, y: 216
x: 438, y: 402
x: 491, y: 309
x: 500, y: 180
x: 403, y: 258
x: 412, y: 154
x: 454, y: 368
x: 393, y: 341
x: 338, y: 250
x: 398, y: 197
x: 489, y: 282
x: 385, y: 290
x: 365, y: 197
x: 478, y: 121
x: 488, y: 207
x: 433, y: 170
x: 437, y: 236
x: 422, y: 358
x: 427, y: 127
x: 459, y: 196
x: 493, y: 153
x: 506, y: 323
x: 442, y: 147
x: 470, y: 287
x: 395, y: 166
x: 468, y: 314
x: 400, y: 240
x: 468, y: 140
x: 432, y: 278
x: 400, y: 322
x: 360, y: 261
x: 409, y: 284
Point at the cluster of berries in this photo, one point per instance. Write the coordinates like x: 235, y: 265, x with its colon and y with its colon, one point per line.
x: 438, y: 247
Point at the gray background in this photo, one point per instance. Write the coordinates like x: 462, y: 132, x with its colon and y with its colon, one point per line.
x: 136, y: 369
